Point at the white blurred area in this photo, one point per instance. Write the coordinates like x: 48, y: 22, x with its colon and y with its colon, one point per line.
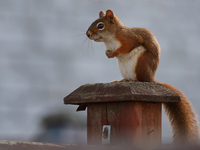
x: 45, y: 55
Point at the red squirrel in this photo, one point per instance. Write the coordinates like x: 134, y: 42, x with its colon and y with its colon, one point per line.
x: 138, y: 54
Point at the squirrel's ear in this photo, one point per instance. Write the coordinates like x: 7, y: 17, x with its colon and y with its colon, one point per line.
x: 109, y: 13
x: 110, y: 16
x: 102, y: 14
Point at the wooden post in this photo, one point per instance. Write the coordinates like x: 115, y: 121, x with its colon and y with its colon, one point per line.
x: 131, y: 109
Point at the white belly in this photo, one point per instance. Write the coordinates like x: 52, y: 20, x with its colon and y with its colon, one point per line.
x: 128, y: 62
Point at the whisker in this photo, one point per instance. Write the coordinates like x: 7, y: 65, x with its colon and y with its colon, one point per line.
x: 84, y: 42
x: 83, y: 38
x: 79, y: 29
x: 88, y: 46
x: 92, y: 47
x: 78, y: 35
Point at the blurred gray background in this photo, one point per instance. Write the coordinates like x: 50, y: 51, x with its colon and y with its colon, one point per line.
x: 45, y: 55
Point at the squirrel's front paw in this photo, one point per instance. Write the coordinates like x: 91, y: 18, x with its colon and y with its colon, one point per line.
x: 109, y: 54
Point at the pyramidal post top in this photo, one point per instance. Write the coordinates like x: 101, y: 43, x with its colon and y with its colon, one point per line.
x: 121, y: 92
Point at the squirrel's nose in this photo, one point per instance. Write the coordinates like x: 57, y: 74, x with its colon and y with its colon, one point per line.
x: 88, y: 33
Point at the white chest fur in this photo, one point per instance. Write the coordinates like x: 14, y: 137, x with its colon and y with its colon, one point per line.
x: 112, y: 44
x: 128, y: 62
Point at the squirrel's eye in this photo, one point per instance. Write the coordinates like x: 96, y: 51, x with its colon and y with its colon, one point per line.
x: 100, y: 26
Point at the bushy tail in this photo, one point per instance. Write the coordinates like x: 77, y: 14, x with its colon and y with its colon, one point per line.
x: 183, y: 119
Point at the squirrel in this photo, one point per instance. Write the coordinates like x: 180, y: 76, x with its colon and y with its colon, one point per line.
x: 138, y: 54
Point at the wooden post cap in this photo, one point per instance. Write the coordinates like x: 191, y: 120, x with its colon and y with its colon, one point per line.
x: 130, y: 111
x: 121, y: 92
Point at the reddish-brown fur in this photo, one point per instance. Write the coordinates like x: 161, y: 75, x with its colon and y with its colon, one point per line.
x: 181, y: 115
x: 182, y: 118
x: 127, y: 45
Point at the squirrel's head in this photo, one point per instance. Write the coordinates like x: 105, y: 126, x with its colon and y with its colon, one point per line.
x: 104, y: 27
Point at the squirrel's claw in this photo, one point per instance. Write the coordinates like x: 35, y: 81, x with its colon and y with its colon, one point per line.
x: 109, y: 54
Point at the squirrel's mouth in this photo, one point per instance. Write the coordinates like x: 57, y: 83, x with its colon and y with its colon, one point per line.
x: 98, y: 39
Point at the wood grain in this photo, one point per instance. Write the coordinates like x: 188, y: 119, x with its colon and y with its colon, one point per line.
x: 121, y: 92
x: 135, y: 124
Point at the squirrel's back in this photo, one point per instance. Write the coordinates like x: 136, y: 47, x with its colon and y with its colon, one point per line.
x: 148, y: 61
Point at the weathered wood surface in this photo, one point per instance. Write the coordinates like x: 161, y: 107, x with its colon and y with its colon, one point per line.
x: 132, y: 123
x: 14, y: 145
x: 121, y: 105
x: 121, y: 92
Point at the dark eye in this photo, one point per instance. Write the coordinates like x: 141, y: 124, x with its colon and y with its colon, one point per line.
x: 100, y: 26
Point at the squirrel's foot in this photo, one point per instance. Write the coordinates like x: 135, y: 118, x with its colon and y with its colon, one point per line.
x: 123, y: 80
x: 109, y: 54
x: 126, y: 80
x: 114, y: 81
